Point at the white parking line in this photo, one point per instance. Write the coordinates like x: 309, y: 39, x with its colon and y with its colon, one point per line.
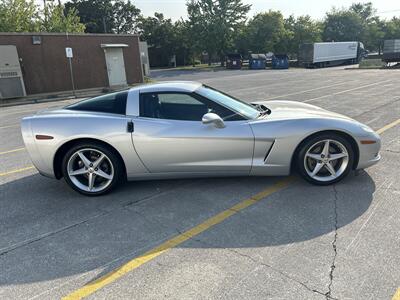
x: 346, y: 91
x: 310, y: 90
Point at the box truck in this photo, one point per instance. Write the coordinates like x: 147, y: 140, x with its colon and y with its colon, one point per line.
x: 391, y: 51
x: 330, y: 54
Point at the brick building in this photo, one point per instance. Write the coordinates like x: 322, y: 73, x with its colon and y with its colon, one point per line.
x: 99, y: 60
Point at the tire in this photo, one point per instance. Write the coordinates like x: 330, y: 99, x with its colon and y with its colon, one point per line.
x: 87, y: 174
x: 320, y: 167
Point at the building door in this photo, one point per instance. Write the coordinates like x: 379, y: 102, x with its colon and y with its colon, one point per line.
x: 115, y: 66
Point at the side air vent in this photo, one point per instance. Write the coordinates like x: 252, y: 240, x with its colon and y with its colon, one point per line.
x: 268, y: 152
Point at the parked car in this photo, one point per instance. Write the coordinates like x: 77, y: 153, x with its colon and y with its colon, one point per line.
x: 187, y: 129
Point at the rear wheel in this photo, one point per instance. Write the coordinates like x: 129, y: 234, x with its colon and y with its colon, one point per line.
x: 325, y: 159
x: 92, y: 169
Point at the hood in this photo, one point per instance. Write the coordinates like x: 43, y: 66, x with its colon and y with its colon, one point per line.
x: 297, y: 110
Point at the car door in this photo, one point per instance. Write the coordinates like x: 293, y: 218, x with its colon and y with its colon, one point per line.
x: 169, y: 136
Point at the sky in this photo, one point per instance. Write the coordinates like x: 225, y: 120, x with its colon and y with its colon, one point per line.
x: 176, y: 9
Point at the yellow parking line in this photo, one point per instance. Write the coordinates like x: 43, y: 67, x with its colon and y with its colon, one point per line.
x: 397, y: 295
x: 388, y: 126
x: 93, y: 286
x: 16, y: 171
x: 12, y: 151
x: 135, y: 263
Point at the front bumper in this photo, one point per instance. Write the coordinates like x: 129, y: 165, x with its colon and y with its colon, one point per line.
x: 369, y: 154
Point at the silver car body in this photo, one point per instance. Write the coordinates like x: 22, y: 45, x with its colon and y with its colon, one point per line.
x: 160, y: 148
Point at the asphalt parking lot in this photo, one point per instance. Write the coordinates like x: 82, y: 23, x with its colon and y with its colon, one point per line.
x: 225, y: 238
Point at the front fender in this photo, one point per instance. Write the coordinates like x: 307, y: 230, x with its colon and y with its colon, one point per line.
x: 287, y: 135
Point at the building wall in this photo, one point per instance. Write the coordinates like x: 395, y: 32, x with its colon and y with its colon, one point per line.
x: 45, y: 67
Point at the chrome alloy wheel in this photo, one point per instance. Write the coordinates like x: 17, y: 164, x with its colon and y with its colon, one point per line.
x: 326, y: 160
x: 90, y: 170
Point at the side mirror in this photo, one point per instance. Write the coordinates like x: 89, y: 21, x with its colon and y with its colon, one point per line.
x: 211, y: 118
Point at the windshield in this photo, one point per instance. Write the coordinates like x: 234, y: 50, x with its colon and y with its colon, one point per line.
x: 238, y: 106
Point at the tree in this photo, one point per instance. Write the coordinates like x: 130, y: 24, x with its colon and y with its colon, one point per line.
x: 304, y: 30
x: 95, y: 14
x: 56, y: 21
x: 215, y: 23
x: 125, y: 17
x: 373, y: 26
x: 266, y: 32
x: 106, y: 16
x: 365, y: 10
x: 184, y: 50
x: 160, y: 36
x: 18, y: 16
x: 392, y: 29
x: 343, y: 25
x: 358, y: 23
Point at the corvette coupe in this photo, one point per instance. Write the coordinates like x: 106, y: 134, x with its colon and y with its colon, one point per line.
x: 187, y: 129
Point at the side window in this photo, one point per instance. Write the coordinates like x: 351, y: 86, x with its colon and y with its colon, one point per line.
x: 180, y: 106
x: 114, y: 103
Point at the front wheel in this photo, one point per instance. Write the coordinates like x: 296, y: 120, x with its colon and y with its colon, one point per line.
x: 91, y: 169
x: 325, y: 159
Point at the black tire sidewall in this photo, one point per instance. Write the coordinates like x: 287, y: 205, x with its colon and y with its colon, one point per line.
x: 115, y: 160
x: 311, y: 141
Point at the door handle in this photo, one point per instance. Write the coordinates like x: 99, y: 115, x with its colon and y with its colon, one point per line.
x: 130, y: 126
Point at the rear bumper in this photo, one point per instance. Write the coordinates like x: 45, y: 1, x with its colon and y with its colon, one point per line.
x: 38, y: 160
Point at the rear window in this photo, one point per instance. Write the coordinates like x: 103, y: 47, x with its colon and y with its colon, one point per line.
x: 114, y: 103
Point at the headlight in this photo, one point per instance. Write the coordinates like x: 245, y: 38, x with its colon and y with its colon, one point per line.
x: 367, y: 128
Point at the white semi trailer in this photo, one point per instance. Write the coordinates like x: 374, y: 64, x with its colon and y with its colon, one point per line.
x: 330, y: 54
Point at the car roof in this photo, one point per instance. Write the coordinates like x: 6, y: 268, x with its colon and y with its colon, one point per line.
x: 169, y: 86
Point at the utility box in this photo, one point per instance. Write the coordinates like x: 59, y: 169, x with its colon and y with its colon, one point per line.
x: 144, y: 57
x: 391, y: 51
x: 11, y: 79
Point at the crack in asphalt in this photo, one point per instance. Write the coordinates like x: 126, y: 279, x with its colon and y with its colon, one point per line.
x: 390, y: 151
x: 260, y: 263
x: 328, y: 294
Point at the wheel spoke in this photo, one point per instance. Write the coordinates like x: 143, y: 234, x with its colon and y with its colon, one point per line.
x: 337, y: 156
x: 330, y: 168
x: 91, y: 181
x: 84, y: 159
x: 103, y: 174
x: 325, y: 151
x: 78, y: 172
x: 313, y: 156
x: 317, y: 168
x: 98, y: 161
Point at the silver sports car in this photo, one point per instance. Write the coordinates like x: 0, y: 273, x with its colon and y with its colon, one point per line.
x: 187, y: 129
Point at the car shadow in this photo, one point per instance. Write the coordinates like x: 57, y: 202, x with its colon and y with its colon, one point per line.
x: 50, y: 232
